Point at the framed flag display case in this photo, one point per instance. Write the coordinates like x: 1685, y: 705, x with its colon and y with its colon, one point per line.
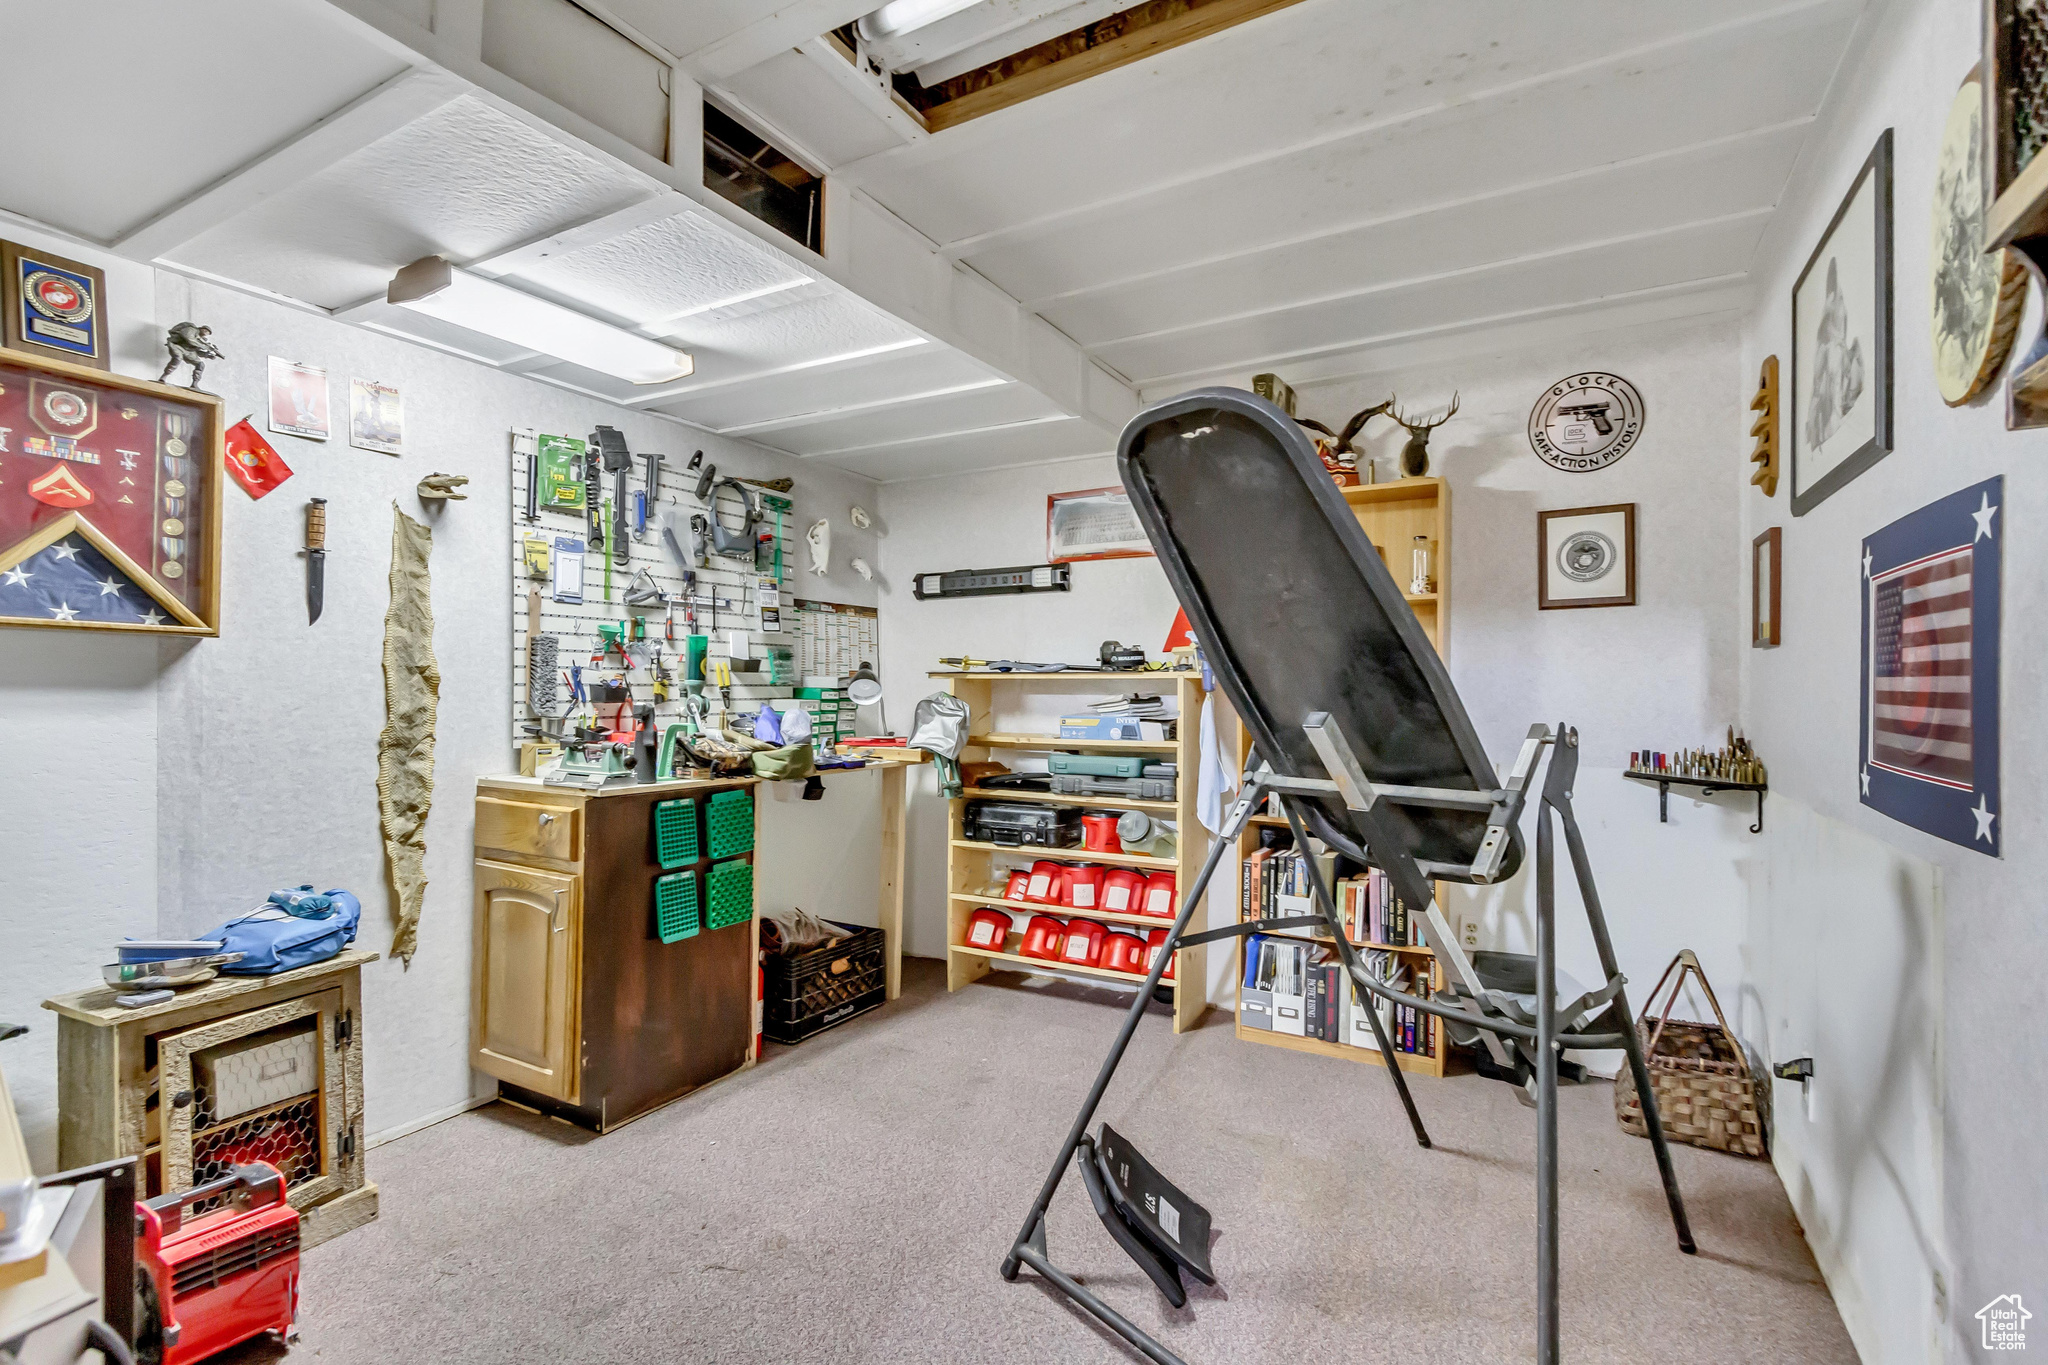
x: 1931, y: 598
x: 110, y: 501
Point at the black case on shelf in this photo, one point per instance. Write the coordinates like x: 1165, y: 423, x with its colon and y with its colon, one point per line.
x: 1018, y: 824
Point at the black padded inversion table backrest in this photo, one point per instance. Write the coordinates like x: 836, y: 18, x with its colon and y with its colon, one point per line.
x: 1296, y: 613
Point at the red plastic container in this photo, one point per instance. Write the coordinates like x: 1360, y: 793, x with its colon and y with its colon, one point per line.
x: 1044, y: 937
x: 1159, y: 896
x: 1020, y: 881
x: 1123, y: 890
x: 1044, y: 886
x: 1098, y: 832
x: 1155, y: 944
x: 1083, y: 947
x: 988, y: 928
x: 1083, y: 889
x: 1124, y: 953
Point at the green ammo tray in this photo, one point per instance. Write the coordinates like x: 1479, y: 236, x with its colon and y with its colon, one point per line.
x: 675, y: 832
x: 731, y: 893
x: 675, y: 906
x: 729, y: 818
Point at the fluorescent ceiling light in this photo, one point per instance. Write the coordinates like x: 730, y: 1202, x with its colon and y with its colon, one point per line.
x: 907, y: 16
x: 434, y: 287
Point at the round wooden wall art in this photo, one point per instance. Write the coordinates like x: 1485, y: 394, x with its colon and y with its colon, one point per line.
x: 1586, y: 422
x: 1978, y: 296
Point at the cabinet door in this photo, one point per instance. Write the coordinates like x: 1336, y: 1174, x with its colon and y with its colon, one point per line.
x: 524, y: 978
x: 284, y: 1102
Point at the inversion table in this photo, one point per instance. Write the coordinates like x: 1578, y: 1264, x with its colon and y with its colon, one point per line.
x: 1357, y: 728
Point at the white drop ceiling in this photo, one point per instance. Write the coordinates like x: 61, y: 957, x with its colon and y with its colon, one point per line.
x: 1312, y: 191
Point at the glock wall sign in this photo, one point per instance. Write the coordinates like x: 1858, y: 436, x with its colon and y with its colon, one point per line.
x: 1586, y: 422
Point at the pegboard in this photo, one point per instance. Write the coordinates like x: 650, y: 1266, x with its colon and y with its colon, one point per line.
x: 729, y: 585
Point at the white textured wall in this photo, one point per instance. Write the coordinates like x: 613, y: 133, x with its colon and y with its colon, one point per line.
x: 1658, y: 675
x: 1916, y: 1229
x: 195, y: 776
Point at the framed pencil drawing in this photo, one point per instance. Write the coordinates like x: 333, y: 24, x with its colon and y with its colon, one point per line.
x: 1841, y: 408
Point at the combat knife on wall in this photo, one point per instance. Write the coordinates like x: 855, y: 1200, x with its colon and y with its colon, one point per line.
x: 316, y: 558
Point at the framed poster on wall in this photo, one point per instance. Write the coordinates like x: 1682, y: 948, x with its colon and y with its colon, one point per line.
x: 1841, y: 408
x: 1095, y: 523
x: 110, y: 501
x: 1932, y: 590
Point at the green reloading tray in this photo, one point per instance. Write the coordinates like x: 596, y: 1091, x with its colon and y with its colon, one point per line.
x: 675, y: 833
x: 675, y: 906
x: 731, y: 895
x: 729, y: 817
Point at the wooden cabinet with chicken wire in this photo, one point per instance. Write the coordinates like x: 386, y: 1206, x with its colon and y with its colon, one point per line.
x: 264, y: 1068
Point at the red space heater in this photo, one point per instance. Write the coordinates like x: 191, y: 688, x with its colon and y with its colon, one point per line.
x: 225, y: 1275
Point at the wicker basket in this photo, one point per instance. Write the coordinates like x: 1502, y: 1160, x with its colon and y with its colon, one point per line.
x: 1708, y: 1094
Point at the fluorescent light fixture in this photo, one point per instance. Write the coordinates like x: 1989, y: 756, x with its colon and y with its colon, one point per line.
x: 907, y: 16
x: 432, y: 286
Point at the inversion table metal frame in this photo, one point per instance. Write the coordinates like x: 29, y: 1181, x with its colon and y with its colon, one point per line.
x: 1482, y: 1009
x: 1244, y: 519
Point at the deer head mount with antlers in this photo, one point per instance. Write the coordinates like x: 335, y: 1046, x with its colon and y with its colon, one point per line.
x: 1415, y: 454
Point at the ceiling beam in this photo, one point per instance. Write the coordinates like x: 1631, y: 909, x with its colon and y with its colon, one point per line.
x: 814, y: 416
x: 1692, y: 298
x: 1473, y: 204
x: 1500, y: 265
x: 785, y: 28
x: 904, y: 441
x: 846, y: 360
x: 408, y: 96
x: 874, y: 92
x: 1462, y: 107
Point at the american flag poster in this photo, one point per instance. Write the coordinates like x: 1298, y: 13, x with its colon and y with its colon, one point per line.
x: 1930, y: 668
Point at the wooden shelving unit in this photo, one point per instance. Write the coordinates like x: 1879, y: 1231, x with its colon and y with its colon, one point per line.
x: 1393, y: 514
x: 972, y: 875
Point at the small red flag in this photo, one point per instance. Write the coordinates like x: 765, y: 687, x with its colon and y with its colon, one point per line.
x: 256, y: 466
x: 1180, y: 635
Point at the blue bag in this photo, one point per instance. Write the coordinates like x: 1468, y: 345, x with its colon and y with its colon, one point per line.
x: 276, y: 938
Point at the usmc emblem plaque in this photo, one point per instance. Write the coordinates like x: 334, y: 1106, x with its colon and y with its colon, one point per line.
x: 54, y: 307
x: 1586, y: 422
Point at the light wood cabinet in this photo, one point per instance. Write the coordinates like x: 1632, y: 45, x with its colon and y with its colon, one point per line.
x: 523, y: 1006
x: 578, y: 1006
x: 128, y: 1086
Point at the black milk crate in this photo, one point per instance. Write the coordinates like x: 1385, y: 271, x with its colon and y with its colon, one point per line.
x: 811, y: 990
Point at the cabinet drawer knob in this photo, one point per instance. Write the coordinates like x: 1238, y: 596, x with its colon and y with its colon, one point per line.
x: 546, y: 819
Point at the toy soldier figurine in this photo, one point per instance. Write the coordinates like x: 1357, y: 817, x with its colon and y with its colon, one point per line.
x: 187, y: 342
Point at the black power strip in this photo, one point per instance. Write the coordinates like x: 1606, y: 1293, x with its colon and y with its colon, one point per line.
x: 988, y: 582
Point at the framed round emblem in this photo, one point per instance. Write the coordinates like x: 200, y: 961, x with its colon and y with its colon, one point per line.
x: 1586, y: 422
x: 55, y: 297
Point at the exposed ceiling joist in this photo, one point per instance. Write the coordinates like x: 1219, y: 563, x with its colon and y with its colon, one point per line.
x: 384, y: 110
x: 792, y: 24
x: 873, y: 92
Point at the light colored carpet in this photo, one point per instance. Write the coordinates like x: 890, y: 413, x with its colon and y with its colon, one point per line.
x: 849, y: 1201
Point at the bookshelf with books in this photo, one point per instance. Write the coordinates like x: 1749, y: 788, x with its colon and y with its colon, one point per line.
x: 1009, y: 716
x: 1398, y: 517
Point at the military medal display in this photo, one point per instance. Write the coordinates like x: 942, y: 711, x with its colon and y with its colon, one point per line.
x: 109, y: 500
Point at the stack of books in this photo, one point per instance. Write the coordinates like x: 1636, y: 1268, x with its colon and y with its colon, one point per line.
x: 1301, y: 989
x: 1276, y: 886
